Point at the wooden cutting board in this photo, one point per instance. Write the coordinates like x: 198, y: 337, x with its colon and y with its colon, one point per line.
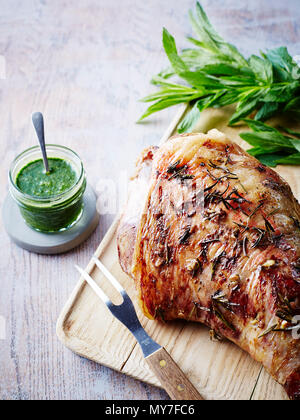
x: 219, y: 370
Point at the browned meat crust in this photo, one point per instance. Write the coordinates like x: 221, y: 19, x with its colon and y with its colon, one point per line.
x: 213, y: 236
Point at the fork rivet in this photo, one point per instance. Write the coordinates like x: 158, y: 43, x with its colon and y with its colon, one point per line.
x: 162, y: 363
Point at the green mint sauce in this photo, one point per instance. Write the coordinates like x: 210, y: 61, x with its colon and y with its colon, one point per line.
x: 33, y: 180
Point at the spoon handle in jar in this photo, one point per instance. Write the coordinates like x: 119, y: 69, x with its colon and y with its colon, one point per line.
x: 38, y: 123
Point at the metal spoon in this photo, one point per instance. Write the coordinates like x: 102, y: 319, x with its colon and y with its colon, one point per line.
x: 38, y: 123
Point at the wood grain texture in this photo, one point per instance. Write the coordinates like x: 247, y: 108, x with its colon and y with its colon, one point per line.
x: 171, y: 376
x: 85, y: 65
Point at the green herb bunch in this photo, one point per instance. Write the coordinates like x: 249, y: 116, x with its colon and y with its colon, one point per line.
x: 214, y: 73
x: 271, y: 146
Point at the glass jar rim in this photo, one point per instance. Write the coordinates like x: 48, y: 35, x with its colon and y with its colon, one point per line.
x: 53, y: 197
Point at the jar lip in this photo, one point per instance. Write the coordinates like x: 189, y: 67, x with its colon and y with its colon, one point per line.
x: 52, y: 197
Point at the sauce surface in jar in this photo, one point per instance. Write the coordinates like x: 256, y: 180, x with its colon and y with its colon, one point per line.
x: 33, y: 180
x: 50, y: 202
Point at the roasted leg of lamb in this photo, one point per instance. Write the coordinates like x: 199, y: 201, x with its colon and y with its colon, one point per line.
x: 212, y: 235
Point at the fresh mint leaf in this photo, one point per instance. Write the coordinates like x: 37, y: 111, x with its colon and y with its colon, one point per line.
x: 229, y: 98
x: 293, y: 104
x: 283, y: 63
x: 171, y: 50
x: 290, y: 160
x: 270, y: 146
x: 267, y: 85
x: 168, y: 94
x: 296, y: 144
x: 244, y: 109
x: 260, y: 126
x: 190, y: 120
x: 283, y: 93
x: 200, y: 79
x: 194, y: 78
x: 267, y: 111
x: 292, y: 132
x: 209, y: 35
x: 262, y: 68
x: 197, y: 58
x: 266, y: 139
x: 192, y: 117
x: 221, y: 69
x: 209, y: 101
x: 162, y: 104
x: 271, y: 159
x: 257, y: 151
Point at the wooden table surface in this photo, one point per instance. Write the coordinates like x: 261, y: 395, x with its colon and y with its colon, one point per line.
x: 85, y: 65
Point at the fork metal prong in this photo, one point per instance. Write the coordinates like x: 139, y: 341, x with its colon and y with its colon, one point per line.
x: 125, y: 312
x: 105, y: 299
x: 109, y: 276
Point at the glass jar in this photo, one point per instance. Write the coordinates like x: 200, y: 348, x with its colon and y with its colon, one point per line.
x: 55, y: 213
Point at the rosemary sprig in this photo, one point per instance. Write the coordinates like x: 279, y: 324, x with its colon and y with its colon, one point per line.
x: 183, y: 240
x: 272, y: 328
x: 215, y: 263
x: 159, y: 312
x: 261, y: 235
x: 218, y: 299
x: 222, y: 177
x: 245, y: 242
x: 200, y: 307
x: 172, y: 168
x: 276, y: 328
x: 269, y: 227
x: 226, y: 170
x: 193, y: 310
x: 214, y: 336
x: 285, y: 313
x: 179, y: 172
x: 255, y: 210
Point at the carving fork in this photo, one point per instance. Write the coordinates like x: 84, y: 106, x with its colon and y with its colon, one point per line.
x: 172, y: 379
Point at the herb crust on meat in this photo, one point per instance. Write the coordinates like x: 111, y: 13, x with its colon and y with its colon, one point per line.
x: 212, y: 235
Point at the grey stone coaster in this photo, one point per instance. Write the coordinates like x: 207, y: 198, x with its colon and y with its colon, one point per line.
x: 50, y: 243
